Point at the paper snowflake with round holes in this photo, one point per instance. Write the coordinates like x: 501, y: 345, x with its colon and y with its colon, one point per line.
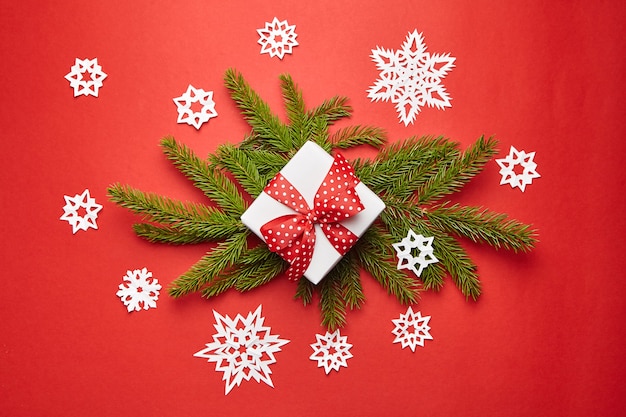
x: 139, y: 290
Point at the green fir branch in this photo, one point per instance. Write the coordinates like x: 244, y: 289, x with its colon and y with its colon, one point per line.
x: 331, y: 110
x: 332, y: 305
x: 210, y: 266
x: 349, y: 271
x: 196, y: 221
x: 305, y: 291
x: 208, y: 178
x: 401, y: 169
x: 241, y: 166
x: 351, y: 136
x: 458, y: 172
x: 258, y: 113
x: 482, y: 226
x: 373, y: 251
x: 166, y: 234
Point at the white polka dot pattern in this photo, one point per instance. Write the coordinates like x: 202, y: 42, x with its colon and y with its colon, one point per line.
x: 293, y: 236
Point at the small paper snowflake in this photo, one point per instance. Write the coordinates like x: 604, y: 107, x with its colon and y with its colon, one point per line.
x: 242, y: 349
x: 411, y: 77
x: 139, y: 290
x: 331, y: 351
x: 277, y: 38
x: 404, y: 251
x: 194, y: 117
x: 507, y: 169
x: 411, y: 329
x: 86, y: 77
x: 84, y: 204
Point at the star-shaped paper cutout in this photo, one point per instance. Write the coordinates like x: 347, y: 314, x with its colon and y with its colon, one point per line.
x: 331, y: 351
x: 139, y: 290
x: 411, y: 77
x: 242, y: 349
x: 195, y: 118
x: 277, y: 38
x: 411, y: 329
x: 508, y: 164
x: 404, y: 251
x: 86, y: 205
x: 86, y: 77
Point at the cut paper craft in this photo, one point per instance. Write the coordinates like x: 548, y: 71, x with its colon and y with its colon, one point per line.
x: 513, y: 159
x: 404, y: 251
x: 277, y: 38
x: 242, y: 349
x: 191, y: 116
x: 139, y: 290
x: 411, y: 329
x: 81, y: 211
x: 86, y: 77
x: 331, y: 351
x: 411, y: 77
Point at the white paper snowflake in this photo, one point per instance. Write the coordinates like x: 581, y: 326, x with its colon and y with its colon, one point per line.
x: 139, y: 290
x: 242, y: 349
x: 277, y: 38
x: 404, y: 251
x: 331, y: 351
x: 86, y: 77
x: 513, y: 159
x: 81, y: 211
x: 194, y: 116
x: 411, y: 77
x: 411, y: 329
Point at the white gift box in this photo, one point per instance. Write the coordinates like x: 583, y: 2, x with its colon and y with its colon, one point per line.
x: 306, y: 171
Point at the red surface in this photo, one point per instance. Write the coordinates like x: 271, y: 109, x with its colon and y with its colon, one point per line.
x: 545, y: 339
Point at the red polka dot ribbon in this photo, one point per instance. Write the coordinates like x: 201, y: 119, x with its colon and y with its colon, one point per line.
x: 292, y: 236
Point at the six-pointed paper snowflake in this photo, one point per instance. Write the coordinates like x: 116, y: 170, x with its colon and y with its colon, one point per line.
x: 242, y: 349
x: 405, y: 250
x: 187, y: 113
x: 411, y: 77
x: 86, y: 77
x: 507, y: 169
x: 139, y: 290
x: 411, y: 329
x: 277, y: 38
x: 81, y: 211
x: 331, y: 351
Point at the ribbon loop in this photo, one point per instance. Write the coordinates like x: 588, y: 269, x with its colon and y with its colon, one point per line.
x: 292, y: 236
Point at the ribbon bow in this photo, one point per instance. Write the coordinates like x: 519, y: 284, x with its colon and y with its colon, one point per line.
x: 292, y: 236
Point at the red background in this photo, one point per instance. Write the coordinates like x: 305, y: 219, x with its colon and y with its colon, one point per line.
x: 547, y: 336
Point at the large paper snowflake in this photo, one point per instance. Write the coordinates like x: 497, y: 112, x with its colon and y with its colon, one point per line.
x: 411, y: 329
x: 331, y: 351
x: 513, y: 159
x: 192, y: 115
x: 411, y: 77
x: 81, y: 211
x: 405, y: 251
x: 277, y: 38
x: 139, y: 290
x: 242, y: 349
x: 86, y: 77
